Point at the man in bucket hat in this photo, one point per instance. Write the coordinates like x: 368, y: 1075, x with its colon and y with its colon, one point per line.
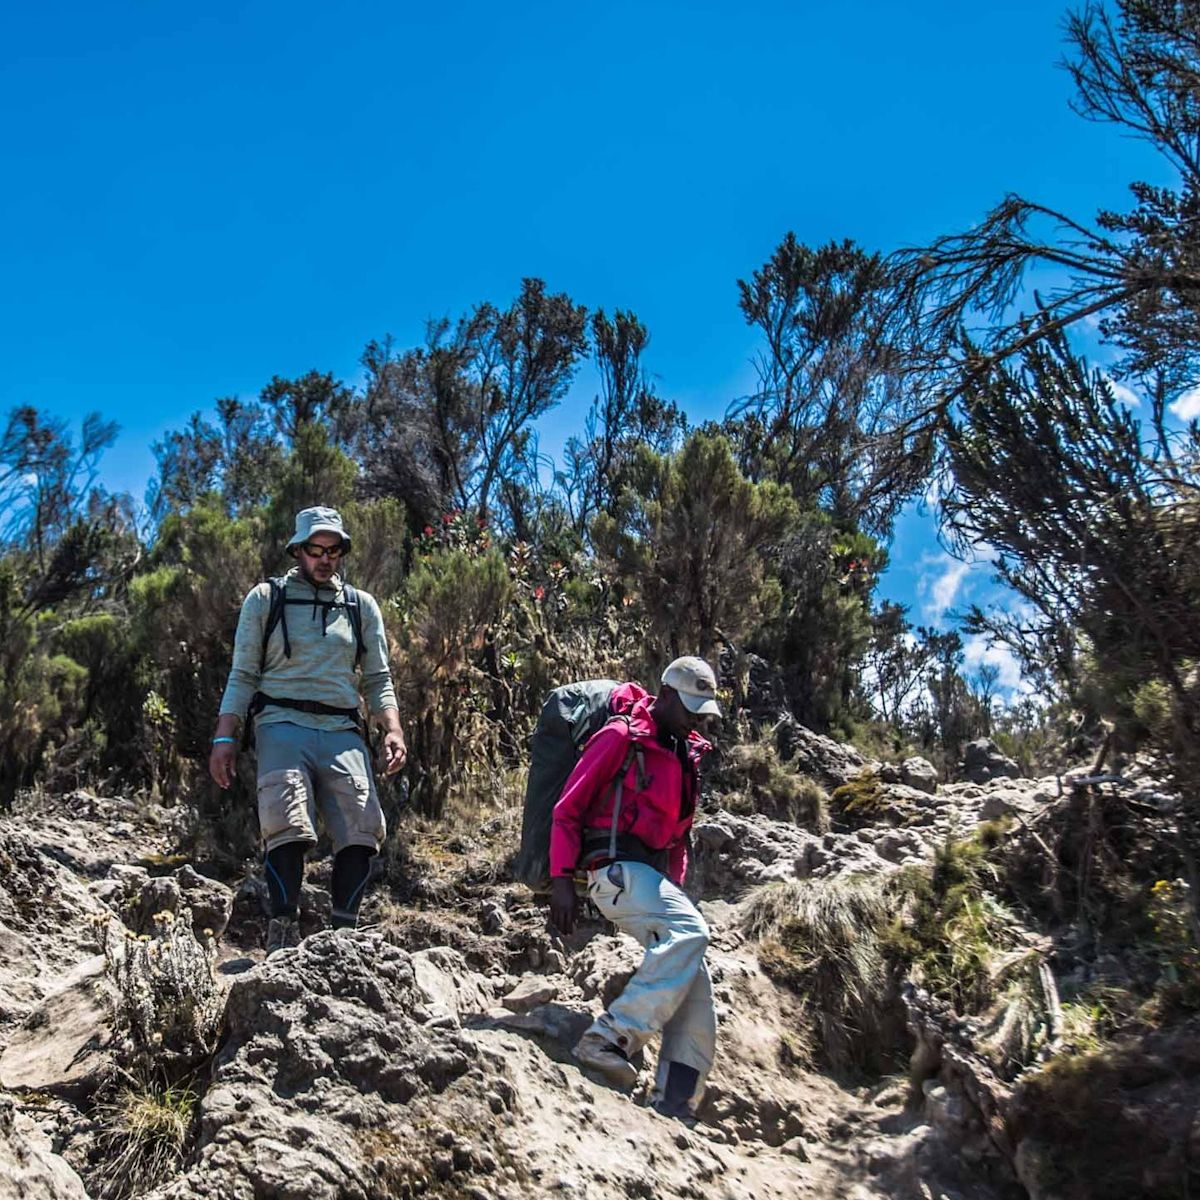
x: 300, y: 641
x: 623, y: 821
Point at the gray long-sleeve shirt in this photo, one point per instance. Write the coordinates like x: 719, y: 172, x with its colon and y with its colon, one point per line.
x: 321, y: 666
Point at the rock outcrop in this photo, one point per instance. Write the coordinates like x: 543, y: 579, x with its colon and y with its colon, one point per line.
x: 29, y: 1168
x: 733, y: 853
x: 66, y: 1045
x: 829, y: 762
x: 338, y: 1080
x: 46, y: 915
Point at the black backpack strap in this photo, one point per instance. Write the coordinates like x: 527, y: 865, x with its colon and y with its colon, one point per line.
x: 277, y: 618
x: 276, y: 615
x: 354, y: 611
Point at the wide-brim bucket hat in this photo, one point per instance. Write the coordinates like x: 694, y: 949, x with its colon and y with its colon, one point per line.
x: 319, y: 519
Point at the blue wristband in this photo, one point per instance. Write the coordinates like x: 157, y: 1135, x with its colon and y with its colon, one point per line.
x: 218, y: 741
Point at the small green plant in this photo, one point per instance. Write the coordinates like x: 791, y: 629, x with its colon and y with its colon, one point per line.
x: 159, y: 731
x: 1177, y: 952
x: 864, y: 801
x: 144, y: 1130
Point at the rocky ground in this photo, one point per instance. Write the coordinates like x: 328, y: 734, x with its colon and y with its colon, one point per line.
x: 428, y: 1055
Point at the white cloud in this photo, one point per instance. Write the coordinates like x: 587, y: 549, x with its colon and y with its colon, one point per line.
x: 1123, y: 394
x: 977, y: 653
x: 939, y: 591
x: 1187, y: 406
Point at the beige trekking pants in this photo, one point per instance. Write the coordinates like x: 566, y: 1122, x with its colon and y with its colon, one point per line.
x: 302, y: 771
x: 670, y: 993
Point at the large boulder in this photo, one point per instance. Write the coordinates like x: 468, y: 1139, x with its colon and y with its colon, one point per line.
x: 327, y: 1060
x: 48, y: 920
x: 919, y: 773
x: 765, y: 698
x: 67, y: 1044
x: 983, y: 761
x: 830, y: 763
x: 338, y: 1082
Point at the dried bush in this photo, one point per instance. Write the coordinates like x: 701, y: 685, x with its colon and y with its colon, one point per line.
x: 822, y: 940
x: 767, y: 786
x: 168, y: 1003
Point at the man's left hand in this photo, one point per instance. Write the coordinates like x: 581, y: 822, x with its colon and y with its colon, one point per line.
x: 395, y: 751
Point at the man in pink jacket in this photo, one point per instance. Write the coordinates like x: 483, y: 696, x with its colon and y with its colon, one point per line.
x: 624, y: 819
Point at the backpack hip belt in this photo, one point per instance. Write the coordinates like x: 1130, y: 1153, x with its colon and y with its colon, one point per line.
x: 596, y: 851
x: 261, y: 700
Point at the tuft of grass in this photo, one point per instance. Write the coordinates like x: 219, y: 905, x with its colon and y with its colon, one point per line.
x: 822, y: 940
x: 145, y: 1129
x: 768, y: 787
x: 952, y: 932
x: 1095, y: 1014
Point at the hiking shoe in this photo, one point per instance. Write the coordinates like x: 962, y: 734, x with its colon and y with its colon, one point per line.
x: 282, y: 934
x: 602, y: 1056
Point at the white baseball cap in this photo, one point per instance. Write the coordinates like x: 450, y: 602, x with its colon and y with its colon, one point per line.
x: 696, y: 684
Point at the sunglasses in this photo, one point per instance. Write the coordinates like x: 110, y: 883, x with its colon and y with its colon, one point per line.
x: 313, y: 550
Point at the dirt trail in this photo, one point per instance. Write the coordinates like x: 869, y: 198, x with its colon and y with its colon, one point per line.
x: 771, y: 1125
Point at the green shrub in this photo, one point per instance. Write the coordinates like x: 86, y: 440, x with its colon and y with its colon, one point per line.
x: 1176, y: 949
x: 865, y: 801
x: 1116, y: 1123
x: 951, y: 928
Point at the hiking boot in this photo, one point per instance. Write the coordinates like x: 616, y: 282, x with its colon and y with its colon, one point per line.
x: 676, y: 1111
x: 282, y: 934
x: 595, y: 1051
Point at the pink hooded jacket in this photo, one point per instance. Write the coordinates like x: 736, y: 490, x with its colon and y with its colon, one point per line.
x: 660, y: 814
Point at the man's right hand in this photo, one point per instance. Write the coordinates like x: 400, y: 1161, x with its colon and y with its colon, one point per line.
x: 564, y: 903
x: 222, y: 763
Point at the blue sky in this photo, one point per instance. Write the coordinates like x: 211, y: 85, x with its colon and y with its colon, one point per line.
x: 199, y: 197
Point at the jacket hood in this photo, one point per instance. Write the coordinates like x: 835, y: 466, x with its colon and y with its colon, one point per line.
x: 633, y: 701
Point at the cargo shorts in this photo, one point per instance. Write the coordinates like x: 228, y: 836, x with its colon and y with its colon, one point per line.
x: 304, y: 771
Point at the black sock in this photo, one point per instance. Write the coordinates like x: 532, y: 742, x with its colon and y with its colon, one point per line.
x: 351, y: 869
x: 680, y: 1085
x: 285, y: 874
